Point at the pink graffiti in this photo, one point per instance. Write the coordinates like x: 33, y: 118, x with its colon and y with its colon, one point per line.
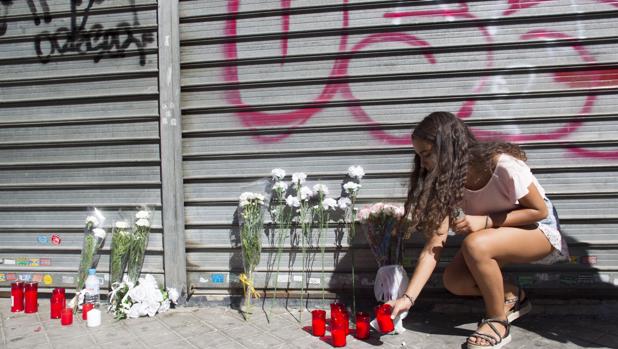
x: 253, y: 118
x: 516, y: 5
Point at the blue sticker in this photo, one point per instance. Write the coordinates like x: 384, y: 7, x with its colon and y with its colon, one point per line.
x: 43, y: 239
x: 217, y: 278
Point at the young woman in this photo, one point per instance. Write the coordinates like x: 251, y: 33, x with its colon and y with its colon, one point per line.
x: 485, y: 192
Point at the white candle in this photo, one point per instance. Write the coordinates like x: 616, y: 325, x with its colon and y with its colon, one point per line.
x: 94, y: 318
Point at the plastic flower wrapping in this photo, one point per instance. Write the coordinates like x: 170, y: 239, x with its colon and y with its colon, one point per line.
x: 251, y: 227
x: 139, y: 242
x: 121, y: 246
x: 94, y: 237
x: 144, y: 298
x: 379, y: 223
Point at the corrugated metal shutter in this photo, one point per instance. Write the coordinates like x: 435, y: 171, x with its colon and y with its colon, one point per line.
x: 78, y: 128
x: 316, y: 86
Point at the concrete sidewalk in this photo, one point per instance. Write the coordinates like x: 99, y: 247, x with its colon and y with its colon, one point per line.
x: 222, y: 327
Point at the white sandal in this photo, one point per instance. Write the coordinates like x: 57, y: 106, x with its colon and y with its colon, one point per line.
x: 520, y: 307
x: 495, y: 342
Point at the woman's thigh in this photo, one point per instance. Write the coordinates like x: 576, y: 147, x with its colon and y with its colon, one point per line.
x: 508, y: 245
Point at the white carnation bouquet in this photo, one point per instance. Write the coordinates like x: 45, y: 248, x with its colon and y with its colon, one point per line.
x: 133, y: 300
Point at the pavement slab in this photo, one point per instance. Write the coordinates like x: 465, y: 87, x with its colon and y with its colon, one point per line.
x: 222, y: 327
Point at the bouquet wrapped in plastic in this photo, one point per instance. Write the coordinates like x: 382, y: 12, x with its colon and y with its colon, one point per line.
x: 94, y: 237
x: 379, y: 223
x: 129, y: 300
x: 251, y: 229
x: 139, y: 242
x: 121, y: 244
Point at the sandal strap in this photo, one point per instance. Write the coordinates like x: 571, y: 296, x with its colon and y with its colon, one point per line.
x: 505, y: 323
x: 489, y: 338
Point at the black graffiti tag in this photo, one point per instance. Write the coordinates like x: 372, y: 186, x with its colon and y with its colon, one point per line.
x: 46, y: 16
x: 4, y: 13
x: 111, y: 42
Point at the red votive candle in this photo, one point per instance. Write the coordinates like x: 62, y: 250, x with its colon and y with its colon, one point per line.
x: 85, y: 309
x: 318, y: 322
x: 362, y: 325
x: 31, y: 297
x: 17, y: 296
x: 57, y: 303
x: 66, y: 316
x: 338, y: 330
x: 337, y: 308
x: 383, y: 315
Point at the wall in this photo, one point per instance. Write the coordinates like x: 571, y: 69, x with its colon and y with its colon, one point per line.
x: 79, y: 127
x: 316, y: 86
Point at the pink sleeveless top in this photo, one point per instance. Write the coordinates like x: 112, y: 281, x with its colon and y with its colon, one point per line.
x: 508, y: 183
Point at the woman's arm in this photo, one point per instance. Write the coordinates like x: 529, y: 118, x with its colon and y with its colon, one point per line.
x: 532, y: 209
x: 427, y: 261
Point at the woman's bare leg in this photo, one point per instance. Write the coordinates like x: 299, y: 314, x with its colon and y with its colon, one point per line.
x: 483, y: 249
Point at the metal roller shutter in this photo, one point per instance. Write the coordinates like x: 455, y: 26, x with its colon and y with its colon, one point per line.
x: 316, y: 86
x: 79, y: 127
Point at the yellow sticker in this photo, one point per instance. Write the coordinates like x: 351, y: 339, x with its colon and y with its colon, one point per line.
x: 47, y: 279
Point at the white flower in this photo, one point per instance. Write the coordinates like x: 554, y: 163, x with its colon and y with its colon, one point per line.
x: 320, y: 188
x: 143, y: 223
x: 165, y: 306
x: 292, y: 201
x: 298, y: 178
x: 329, y: 204
x: 99, y: 233
x: 135, y: 311
x: 280, y: 187
x: 250, y: 198
x: 305, y: 193
x: 351, y: 187
x: 151, y: 308
x: 356, y: 172
x: 277, y: 174
x: 344, y: 203
x: 173, y: 295
x: 138, y: 293
x: 92, y: 220
x: 143, y: 214
x: 122, y: 225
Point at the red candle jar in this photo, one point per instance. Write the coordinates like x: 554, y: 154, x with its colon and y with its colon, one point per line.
x: 383, y: 316
x: 338, y: 330
x: 337, y: 308
x: 17, y: 296
x: 57, y: 302
x: 318, y: 322
x: 66, y: 316
x: 31, y: 297
x: 85, y: 309
x: 362, y: 325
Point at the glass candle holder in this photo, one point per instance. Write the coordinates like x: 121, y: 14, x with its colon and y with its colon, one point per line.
x: 362, y: 325
x: 55, y: 306
x: 85, y: 309
x: 338, y: 330
x: 337, y: 308
x: 383, y: 316
x: 17, y: 296
x: 31, y: 297
x: 318, y: 322
x: 66, y: 316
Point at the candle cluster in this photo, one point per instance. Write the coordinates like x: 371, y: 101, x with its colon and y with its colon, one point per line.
x: 340, y: 324
x: 25, y: 297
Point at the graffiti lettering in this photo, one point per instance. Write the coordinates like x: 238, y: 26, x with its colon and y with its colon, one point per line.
x: 4, y: 12
x: 252, y: 118
x: 112, y: 42
x: 46, y: 16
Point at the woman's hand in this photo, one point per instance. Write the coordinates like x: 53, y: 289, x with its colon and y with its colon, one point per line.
x: 400, y: 305
x: 469, y: 224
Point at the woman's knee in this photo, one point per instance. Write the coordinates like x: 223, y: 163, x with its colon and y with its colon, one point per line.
x: 476, y: 246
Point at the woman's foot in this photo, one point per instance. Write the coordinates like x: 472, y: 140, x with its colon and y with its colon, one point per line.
x: 517, y: 306
x: 491, y: 333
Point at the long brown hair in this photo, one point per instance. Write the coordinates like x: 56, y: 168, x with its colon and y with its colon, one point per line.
x: 434, y: 195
